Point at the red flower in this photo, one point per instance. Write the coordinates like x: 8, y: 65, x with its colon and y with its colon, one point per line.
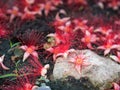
x: 31, y: 38
x: 114, y: 4
x: 66, y: 28
x: 47, y: 7
x: 59, y: 50
x: 29, y: 51
x: 31, y: 43
x: 29, y: 14
x: 89, y: 38
x: 27, y: 3
x: 60, y: 21
x: 14, y: 12
x: 80, y: 24
x: 60, y: 37
x: 104, y: 30
x: 57, y: 2
x: 109, y: 44
x: 79, y: 61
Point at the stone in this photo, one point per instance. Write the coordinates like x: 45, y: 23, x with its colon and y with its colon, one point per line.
x: 41, y: 88
x: 101, y: 72
x: 44, y: 88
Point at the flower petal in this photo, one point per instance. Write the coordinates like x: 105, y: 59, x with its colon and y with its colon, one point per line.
x: 58, y: 55
x: 116, y: 86
x: 61, y: 27
x: 106, y: 51
x: 78, y: 68
x: 12, y: 17
x: 2, y: 58
x: 26, y: 55
x: 43, y: 71
x: 72, y: 60
x: 35, y: 54
x: 101, y: 47
x: 54, y: 57
x: 50, y: 49
x: 24, y: 47
x: 47, y: 66
x: 115, y: 46
x: 87, y: 33
x: 4, y: 67
x: 89, y: 46
x: 30, y: 1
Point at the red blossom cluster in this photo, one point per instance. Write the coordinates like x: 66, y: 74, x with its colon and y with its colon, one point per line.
x: 82, y: 2
x: 30, y: 44
x: 27, y: 9
x: 68, y: 32
x: 114, y: 4
x: 103, y: 37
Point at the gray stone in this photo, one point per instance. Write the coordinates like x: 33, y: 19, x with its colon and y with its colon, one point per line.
x: 101, y: 71
x: 42, y: 88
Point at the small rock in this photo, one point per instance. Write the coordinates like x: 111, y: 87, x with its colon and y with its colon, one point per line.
x: 44, y: 88
x: 41, y: 88
x: 101, y: 72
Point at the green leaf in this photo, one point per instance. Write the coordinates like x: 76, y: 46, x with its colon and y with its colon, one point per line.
x: 15, y: 44
x: 12, y: 75
x: 8, y: 75
x: 10, y: 44
x: 17, y: 62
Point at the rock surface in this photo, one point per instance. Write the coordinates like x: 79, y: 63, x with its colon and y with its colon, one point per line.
x: 101, y: 71
x: 41, y: 88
